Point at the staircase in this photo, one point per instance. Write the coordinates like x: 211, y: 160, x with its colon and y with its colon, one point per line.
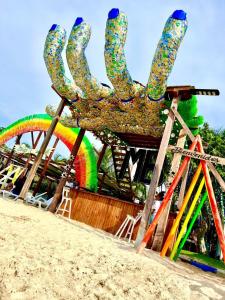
x: 119, y: 153
x: 119, y: 149
x: 108, y: 137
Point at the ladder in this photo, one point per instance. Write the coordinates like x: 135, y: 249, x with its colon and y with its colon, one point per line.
x: 128, y: 224
x: 65, y: 202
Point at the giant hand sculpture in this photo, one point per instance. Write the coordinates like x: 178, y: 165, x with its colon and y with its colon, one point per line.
x: 130, y: 106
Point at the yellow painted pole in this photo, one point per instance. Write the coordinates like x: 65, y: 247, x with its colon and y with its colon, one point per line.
x: 17, y: 174
x: 187, y: 219
x: 182, y: 209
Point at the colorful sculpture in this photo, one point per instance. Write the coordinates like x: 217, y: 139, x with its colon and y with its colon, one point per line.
x: 85, y: 164
x: 129, y: 106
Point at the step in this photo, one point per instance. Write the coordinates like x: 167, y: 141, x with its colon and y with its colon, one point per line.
x: 119, y: 153
x: 118, y: 167
x: 124, y: 184
x: 119, y: 158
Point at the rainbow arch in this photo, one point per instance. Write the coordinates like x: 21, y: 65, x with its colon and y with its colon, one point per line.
x: 85, y: 163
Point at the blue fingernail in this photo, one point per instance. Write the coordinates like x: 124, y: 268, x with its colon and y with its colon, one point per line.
x: 78, y: 21
x: 53, y: 27
x: 179, y: 15
x: 114, y: 13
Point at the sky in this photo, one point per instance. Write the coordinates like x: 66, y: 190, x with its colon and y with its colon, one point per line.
x: 24, y: 24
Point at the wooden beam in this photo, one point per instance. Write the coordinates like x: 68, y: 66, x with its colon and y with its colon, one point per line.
x: 41, y: 152
x: 32, y: 139
x: 156, y: 173
x: 183, y: 124
x: 217, y: 175
x: 37, y: 139
x: 101, y: 182
x: 197, y: 155
x: 183, y: 187
x: 34, y: 145
x: 185, y: 92
x: 162, y: 224
x: 166, y: 199
x: 212, y: 200
x: 101, y: 155
x: 67, y: 170
x: 47, y: 162
x: 191, y: 136
x: 17, y: 142
x: 49, y: 186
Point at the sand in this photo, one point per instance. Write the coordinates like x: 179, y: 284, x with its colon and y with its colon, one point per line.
x: 43, y: 256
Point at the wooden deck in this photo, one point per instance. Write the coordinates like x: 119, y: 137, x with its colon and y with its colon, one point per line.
x: 100, y: 211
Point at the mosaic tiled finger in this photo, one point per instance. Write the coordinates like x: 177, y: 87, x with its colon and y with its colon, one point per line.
x: 165, y: 55
x: 68, y: 120
x: 54, y: 44
x: 116, y: 66
x: 78, y: 40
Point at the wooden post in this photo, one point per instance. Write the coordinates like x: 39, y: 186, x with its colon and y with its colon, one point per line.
x: 18, y: 138
x: 101, y: 182
x: 41, y: 152
x: 34, y: 145
x: 65, y: 174
x: 156, y: 173
x: 100, y: 158
x: 101, y: 155
x: 49, y: 187
x: 183, y: 187
x: 47, y: 161
x: 161, y: 228
x: 32, y: 138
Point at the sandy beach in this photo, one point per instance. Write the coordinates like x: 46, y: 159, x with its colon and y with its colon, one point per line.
x: 43, y: 256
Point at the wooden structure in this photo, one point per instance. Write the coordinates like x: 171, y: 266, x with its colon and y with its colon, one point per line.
x: 48, y: 170
x: 100, y: 211
x: 65, y: 206
x: 105, y: 212
x: 43, y: 148
x: 120, y: 143
x: 205, y: 162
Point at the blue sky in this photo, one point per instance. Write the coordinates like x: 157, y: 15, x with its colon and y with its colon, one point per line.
x: 25, y: 85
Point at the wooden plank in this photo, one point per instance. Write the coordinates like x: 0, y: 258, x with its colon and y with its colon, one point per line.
x: 101, y: 155
x: 183, y: 124
x: 217, y: 175
x: 101, y: 211
x: 162, y: 224
x: 179, y: 87
x: 156, y: 173
x: 197, y: 155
